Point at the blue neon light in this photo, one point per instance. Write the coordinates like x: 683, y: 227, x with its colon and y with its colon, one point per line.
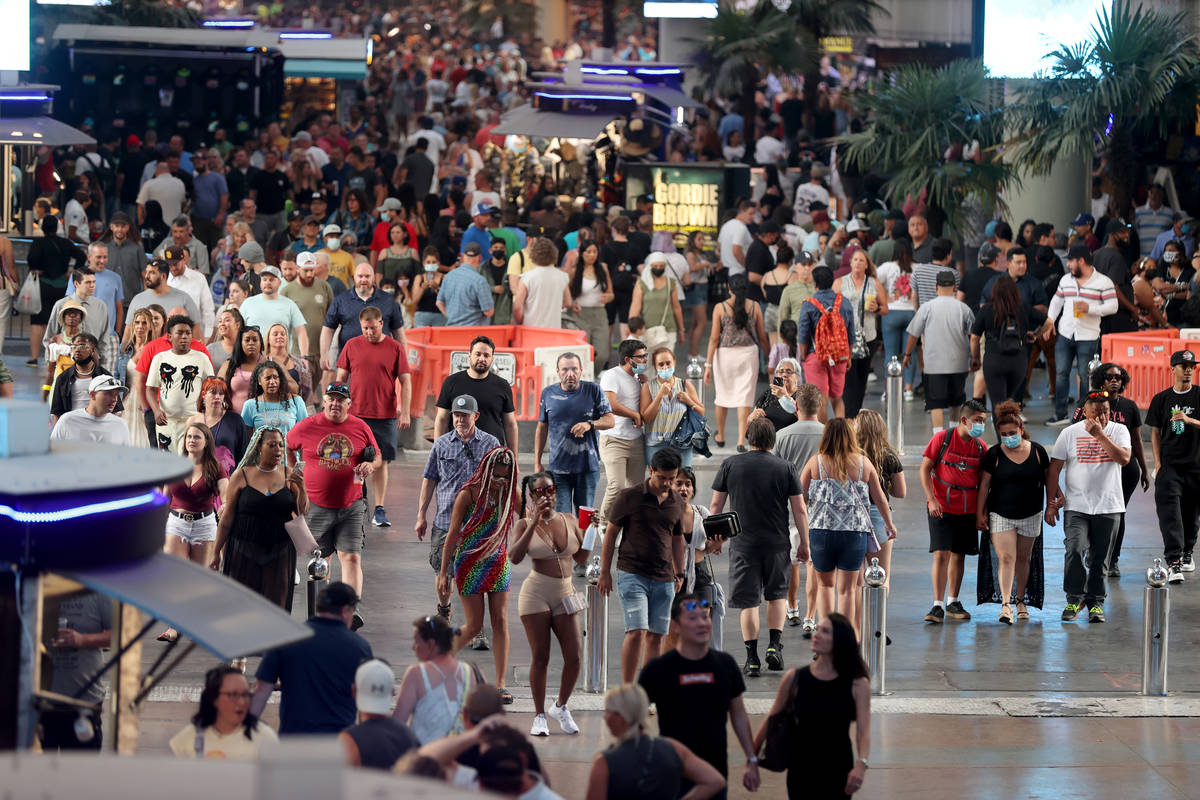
x: 605, y: 70
x: 40, y: 517
x: 307, y: 35
x: 24, y: 98
x: 583, y: 96
x: 657, y: 71
x: 228, y: 23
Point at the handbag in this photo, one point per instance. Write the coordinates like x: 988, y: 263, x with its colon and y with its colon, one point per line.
x: 574, y: 603
x: 29, y: 300
x: 657, y: 335
x: 776, y: 744
x: 725, y: 525
x: 302, y: 538
x: 718, y: 286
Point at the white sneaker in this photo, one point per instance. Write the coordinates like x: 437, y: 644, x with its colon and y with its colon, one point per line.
x: 539, y: 727
x: 563, y: 717
x: 1187, y: 564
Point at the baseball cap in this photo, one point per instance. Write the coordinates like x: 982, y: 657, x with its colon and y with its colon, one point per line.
x: 331, y: 228
x: 133, y: 141
x: 989, y: 230
x: 390, y: 204
x: 1186, y: 357
x: 947, y: 278
x: 374, y: 683
x: 294, y: 214
x: 1181, y: 216
x: 102, y: 383
x: 614, y: 212
x: 121, y: 218
x: 302, y: 136
x: 306, y: 259
x: 1080, y: 251
x: 483, y: 207
x: 271, y: 270
x: 174, y: 253
x: 1083, y: 219
x: 463, y: 404
x: 1119, y: 224
x: 768, y: 226
x: 252, y: 253
x: 988, y: 253
x: 317, y: 196
x: 311, y: 220
x: 820, y: 215
x: 805, y: 257
x: 338, y: 388
x: 855, y: 225
x: 472, y: 249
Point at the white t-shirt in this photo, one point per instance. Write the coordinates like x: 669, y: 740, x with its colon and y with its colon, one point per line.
x: 73, y: 214
x: 178, y: 379
x: 80, y: 426
x: 769, y: 150
x: 80, y: 395
x: 734, y: 232
x: 1092, y: 480
x: 629, y: 394
x: 234, y: 747
x: 544, y: 296
x: 806, y: 195
x: 898, y: 300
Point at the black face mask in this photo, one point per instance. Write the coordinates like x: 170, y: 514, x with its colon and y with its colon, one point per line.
x: 658, y: 272
x: 499, y: 254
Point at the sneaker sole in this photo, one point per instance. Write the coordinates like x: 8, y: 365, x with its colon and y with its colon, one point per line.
x: 1188, y: 568
x: 774, y: 662
x: 958, y: 616
x: 752, y: 672
x: 933, y: 619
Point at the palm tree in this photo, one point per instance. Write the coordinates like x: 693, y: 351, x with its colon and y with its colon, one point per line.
x: 915, y: 119
x: 1135, y: 81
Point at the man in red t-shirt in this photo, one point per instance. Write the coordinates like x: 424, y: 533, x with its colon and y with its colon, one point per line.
x: 333, y: 447
x: 138, y: 385
x: 950, y: 478
x: 374, y: 363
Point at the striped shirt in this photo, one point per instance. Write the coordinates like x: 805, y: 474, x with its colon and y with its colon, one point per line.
x: 1100, y: 295
x: 925, y: 277
x: 452, y: 462
x: 1150, y: 223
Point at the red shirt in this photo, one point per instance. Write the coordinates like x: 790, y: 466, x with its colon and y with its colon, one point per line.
x: 156, y: 346
x: 374, y: 369
x: 956, y: 476
x: 330, y: 451
x: 381, y: 241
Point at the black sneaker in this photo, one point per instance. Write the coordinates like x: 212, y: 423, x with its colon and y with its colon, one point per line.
x: 936, y: 614
x: 1175, y: 572
x: 480, y: 642
x: 1114, y: 572
x: 752, y: 668
x: 775, y: 657
x: 1096, y: 614
x: 358, y: 621
x: 445, y: 612
x: 1071, y: 612
x: 955, y: 610
x: 1187, y: 564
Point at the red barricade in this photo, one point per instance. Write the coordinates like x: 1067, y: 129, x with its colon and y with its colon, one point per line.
x: 1146, y: 355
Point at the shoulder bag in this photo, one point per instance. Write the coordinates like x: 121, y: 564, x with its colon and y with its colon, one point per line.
x: 777, y: 744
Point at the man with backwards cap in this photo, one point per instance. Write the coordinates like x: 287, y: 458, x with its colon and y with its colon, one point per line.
x: 268, y: 308
x: 378, y: 740
x: 1174, y: 421
x: 96, y: 422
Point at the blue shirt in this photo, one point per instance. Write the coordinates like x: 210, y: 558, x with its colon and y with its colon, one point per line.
x: 1160, y: 243
x: 466, y: 295
x: 479, y: 236
x: 258, y: 413
x: 345, y: 308
x: 560, y: 410
x: 809, y: 316
x: 730, y: 123
x: 520, y: 234
x: 109, y: 289
x: 451, y: 463
x: 208, y: 189
x: 316, y: 675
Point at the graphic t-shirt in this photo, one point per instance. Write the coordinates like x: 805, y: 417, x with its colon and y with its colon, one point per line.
x: 1180, y: 442
x: 178, y: 378
x: 1091, y: 479
x: 330, y: 451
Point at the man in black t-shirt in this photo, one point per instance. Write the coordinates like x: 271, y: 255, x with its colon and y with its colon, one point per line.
x: 269, y: 189
x: 695, y: 689
x: 1174, y: 420
x: 760, y: 486
x: 759, y: 260
x: 497, y: 414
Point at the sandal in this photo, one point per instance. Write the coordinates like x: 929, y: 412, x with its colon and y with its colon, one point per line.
x: 506, y: 697
x: 169, y: 635
x: 1006, y: 614
x: 1022, y: 611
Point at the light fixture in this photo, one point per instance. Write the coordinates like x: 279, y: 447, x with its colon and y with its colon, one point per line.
x: 305, y: 35
x: 228, y: 23
x: 74, y: 512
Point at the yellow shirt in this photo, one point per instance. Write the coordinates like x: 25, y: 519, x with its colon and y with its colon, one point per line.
x: 341, y: 266
x: 519, y: 263
x: 234, y: 747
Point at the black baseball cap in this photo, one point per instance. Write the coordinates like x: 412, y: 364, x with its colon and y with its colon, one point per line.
x: 336, y: 596
x: 1184, y: 357
x: 338, y: 388
x: 768, y: 226
x: 947, y: 278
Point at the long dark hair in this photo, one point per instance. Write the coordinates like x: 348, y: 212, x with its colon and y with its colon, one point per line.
x: 846, y: 659
x: 902, y: 254
x: 1006, y: 300
x: 789, y: 333
x: 527, y: 482
x: 238, y: 357
x: 207, y: 714
x: 256, y: 387
x: 1021, y: 240
x: 601, y: 273
x: 210, y: 468
x: 739, y: 286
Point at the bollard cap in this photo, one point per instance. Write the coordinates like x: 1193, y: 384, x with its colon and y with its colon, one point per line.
x: 318, y: 567
x: 875, y: 575
x: 592, y: 574
x: 1157, y: 575
x: 894, y: 368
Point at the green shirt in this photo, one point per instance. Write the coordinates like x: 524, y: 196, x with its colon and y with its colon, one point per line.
x: 793, y: 299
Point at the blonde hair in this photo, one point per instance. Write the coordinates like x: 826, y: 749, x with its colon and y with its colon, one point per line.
x: 629, y: 701
x: 840, y: 445
x: 871, y: 432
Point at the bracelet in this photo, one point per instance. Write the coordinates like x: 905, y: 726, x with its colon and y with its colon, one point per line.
x: 708, y: 365
x: 46, y: 387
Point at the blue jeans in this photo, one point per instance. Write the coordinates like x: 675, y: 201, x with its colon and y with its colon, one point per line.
x: 895, y: 336
x: 575, y: 489
x: 684, y: 455
x: 429, y: 319
x: 646, y: 603
x: 1064, y: 351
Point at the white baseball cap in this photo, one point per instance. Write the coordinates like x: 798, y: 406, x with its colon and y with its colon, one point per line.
x: 374, y: 683
x: 306, y: 259
x: 331, y: 228
x: 102, y: 383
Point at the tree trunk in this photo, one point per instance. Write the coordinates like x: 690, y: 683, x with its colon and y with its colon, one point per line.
x: 608, y: 24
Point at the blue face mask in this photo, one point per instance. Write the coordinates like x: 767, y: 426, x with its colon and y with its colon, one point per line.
x: 787, y: 404
x: 977, y: 429
x: 639, y: 368
x: 666, y: 374
x: 1011, y: 442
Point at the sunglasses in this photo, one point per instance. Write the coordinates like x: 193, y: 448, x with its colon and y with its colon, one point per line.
x: 692, y: 605
x: 1098, y: 395
x: 544, y: 491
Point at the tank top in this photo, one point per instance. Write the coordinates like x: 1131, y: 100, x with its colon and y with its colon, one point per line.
x: 194, y: 498
x: 540, y: 548
x: 670, y: 411
x: 589, y: 293
x: 381, y: 741
x: 856, y: 299
x: 239, y: 389
x: 643, y: 768
x: 656, y: 305
x: 731, y: 334
x: 772, y: 291
x: 839, y: 506
x: 435, y: 714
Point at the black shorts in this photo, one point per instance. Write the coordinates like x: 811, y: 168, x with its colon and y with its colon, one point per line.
x: 757, y: 574
x: 954, y: 532
x: 385, y: 431
x: 945, y: 390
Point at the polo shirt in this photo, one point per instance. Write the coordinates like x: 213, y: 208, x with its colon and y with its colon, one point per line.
x: 466, y: 295
x: 315, y: 676
x: 345, y: 308
x: 645, y: 548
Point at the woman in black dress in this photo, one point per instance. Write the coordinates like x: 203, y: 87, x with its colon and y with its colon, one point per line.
x: 826, y: 696
x: 263, y: 495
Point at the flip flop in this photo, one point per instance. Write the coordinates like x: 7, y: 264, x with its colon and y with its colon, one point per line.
x: 169, y: 635
x: 506, y: 697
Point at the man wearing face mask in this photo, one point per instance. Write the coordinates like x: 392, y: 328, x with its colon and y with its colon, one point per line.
x: 494, y: 271
x: 1084, y: 296
x: 341, y: 263
x: 950, y: 477
x: 622, y: 446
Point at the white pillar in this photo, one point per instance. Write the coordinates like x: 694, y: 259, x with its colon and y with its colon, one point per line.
x: 678, y: 40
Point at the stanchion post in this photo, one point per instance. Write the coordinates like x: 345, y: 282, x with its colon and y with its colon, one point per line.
x: 1156, y: 618
x: 874, y: 625
x: 695, y: 372
x: 595, y: 679
x: 895, y: 404
x: 318, y: 574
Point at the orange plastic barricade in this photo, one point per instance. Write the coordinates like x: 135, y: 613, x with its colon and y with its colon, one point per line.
x: 429, y: 351
x: 1146, y: 355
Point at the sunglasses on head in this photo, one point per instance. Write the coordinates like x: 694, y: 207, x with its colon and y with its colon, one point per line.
x: 1098, y: 395
x: 692, y: 605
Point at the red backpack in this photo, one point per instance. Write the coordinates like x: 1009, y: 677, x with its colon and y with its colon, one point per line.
x: 831, y: 340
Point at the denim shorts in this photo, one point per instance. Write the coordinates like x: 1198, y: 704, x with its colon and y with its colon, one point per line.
x: 695, y: 295
x: 878, y: 523
x: 645, y: 603
x: 844, y: 550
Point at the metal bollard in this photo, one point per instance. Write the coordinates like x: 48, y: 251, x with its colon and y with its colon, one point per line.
x: 318, y: 574
x: 1156, y: 618
x: 895, y: 403
x: 695, y: 372
x: 874, y: 625
x: 595, y: 679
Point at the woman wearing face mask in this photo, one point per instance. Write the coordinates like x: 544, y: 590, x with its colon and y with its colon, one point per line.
x: 1011, y: 490
x: 1171, y: 280
x: 1151, y: 305
x: 665, y: 399
x: 658, y: 305
x: 778, y: 402
x: 592, y: 292
x: 425, y: 291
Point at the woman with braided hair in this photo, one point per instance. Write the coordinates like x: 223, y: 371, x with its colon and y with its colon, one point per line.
x: 477, y: 548
x: 263, y: 495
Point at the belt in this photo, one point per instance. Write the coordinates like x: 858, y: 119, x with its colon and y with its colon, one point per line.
x: 188, y: 516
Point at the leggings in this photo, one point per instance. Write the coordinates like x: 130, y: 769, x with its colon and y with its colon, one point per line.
x: 1003, y: 376
x: 856, y: 383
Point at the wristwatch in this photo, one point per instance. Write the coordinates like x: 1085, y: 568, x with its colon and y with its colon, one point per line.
x: 680, y: 575
x: 864, y: 762
x: 591, y: 424
x: 752, y: 760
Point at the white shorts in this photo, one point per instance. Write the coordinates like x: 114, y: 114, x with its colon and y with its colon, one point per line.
x: 198, y: 531
x: 1030, y: 527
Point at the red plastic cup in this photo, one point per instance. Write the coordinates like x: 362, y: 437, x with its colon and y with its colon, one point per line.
x: 585, y: 516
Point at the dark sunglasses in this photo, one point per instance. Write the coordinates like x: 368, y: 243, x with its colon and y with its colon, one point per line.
x: 692, y: 605
x: 1114, y: 376
x: 545, y: 491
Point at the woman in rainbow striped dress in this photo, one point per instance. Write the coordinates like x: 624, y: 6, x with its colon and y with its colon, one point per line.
x: 477, y: 547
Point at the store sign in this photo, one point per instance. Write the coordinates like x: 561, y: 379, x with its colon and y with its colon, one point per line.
x: 837, y: 44
x: 686, y: 199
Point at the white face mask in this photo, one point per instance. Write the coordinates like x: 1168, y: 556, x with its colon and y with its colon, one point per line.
x: 1170, y: 256
x: 333, y: 244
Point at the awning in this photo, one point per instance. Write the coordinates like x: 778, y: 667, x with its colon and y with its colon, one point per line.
x: 672, y: 98
x: 39, y: 131
x: 221, y: 615
x: 324, y: 68
x: 528, y: 121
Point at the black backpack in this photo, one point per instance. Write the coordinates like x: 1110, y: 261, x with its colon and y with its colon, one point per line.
x: 1010, y: 338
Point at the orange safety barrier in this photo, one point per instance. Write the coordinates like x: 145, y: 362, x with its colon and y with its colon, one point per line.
x: 429, y: 352
x: 1146, y: 355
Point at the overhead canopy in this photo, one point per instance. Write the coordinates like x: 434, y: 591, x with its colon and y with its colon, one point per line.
x: 221, y: 615
x: 39, y: 131
x: 672, y: 98
x: 324, y: 68
x: 529, y: 121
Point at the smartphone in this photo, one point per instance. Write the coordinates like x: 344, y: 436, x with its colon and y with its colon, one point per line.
x: 777, y: 381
